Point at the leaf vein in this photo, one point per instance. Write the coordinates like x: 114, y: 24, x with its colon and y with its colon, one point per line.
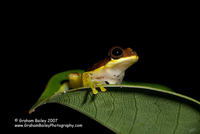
x: 178, y: 115
x: 136, y: 111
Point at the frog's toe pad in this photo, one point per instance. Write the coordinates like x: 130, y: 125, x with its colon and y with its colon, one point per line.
x: 95, y: 91
x: 103, y: 89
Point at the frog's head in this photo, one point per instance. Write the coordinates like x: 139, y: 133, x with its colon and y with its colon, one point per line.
x: 117, y: 59
x: 121, y: 58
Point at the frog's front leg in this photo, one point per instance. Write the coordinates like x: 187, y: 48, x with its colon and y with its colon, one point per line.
x: 87, y: 82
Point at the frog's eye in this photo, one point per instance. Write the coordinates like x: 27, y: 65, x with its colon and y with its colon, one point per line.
x: 116, y: 52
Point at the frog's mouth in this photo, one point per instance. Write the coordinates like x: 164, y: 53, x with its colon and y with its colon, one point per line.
x: 122, y: 63
x: 137, y: 57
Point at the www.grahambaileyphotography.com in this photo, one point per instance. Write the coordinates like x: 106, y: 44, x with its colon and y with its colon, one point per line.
x: 50, y: 125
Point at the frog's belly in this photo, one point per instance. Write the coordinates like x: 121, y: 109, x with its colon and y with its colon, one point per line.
x: 114, y: 79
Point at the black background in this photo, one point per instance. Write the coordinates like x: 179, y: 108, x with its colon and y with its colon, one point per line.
x: 46, y: 45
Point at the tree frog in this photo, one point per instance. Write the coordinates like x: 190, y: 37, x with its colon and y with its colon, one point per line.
x: 111, y: 70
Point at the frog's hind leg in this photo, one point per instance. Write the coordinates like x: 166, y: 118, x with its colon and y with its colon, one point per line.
x: 87, y: 82
x: 63, y: 88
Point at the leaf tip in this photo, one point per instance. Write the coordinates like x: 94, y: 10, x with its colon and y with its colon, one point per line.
x: 30, y: 111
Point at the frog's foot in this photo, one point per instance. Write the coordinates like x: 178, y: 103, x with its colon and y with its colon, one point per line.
x: 63, y: 88
x: 96, y: 83
x: 92, y: 85
x: 87, y: 82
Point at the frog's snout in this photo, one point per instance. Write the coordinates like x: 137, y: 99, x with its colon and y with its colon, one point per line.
x: 134, y: 53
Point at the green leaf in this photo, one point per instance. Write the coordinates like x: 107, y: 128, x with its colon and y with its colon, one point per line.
x: 130, y: 108
x: 152, y: 85
x: 52, y: 86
